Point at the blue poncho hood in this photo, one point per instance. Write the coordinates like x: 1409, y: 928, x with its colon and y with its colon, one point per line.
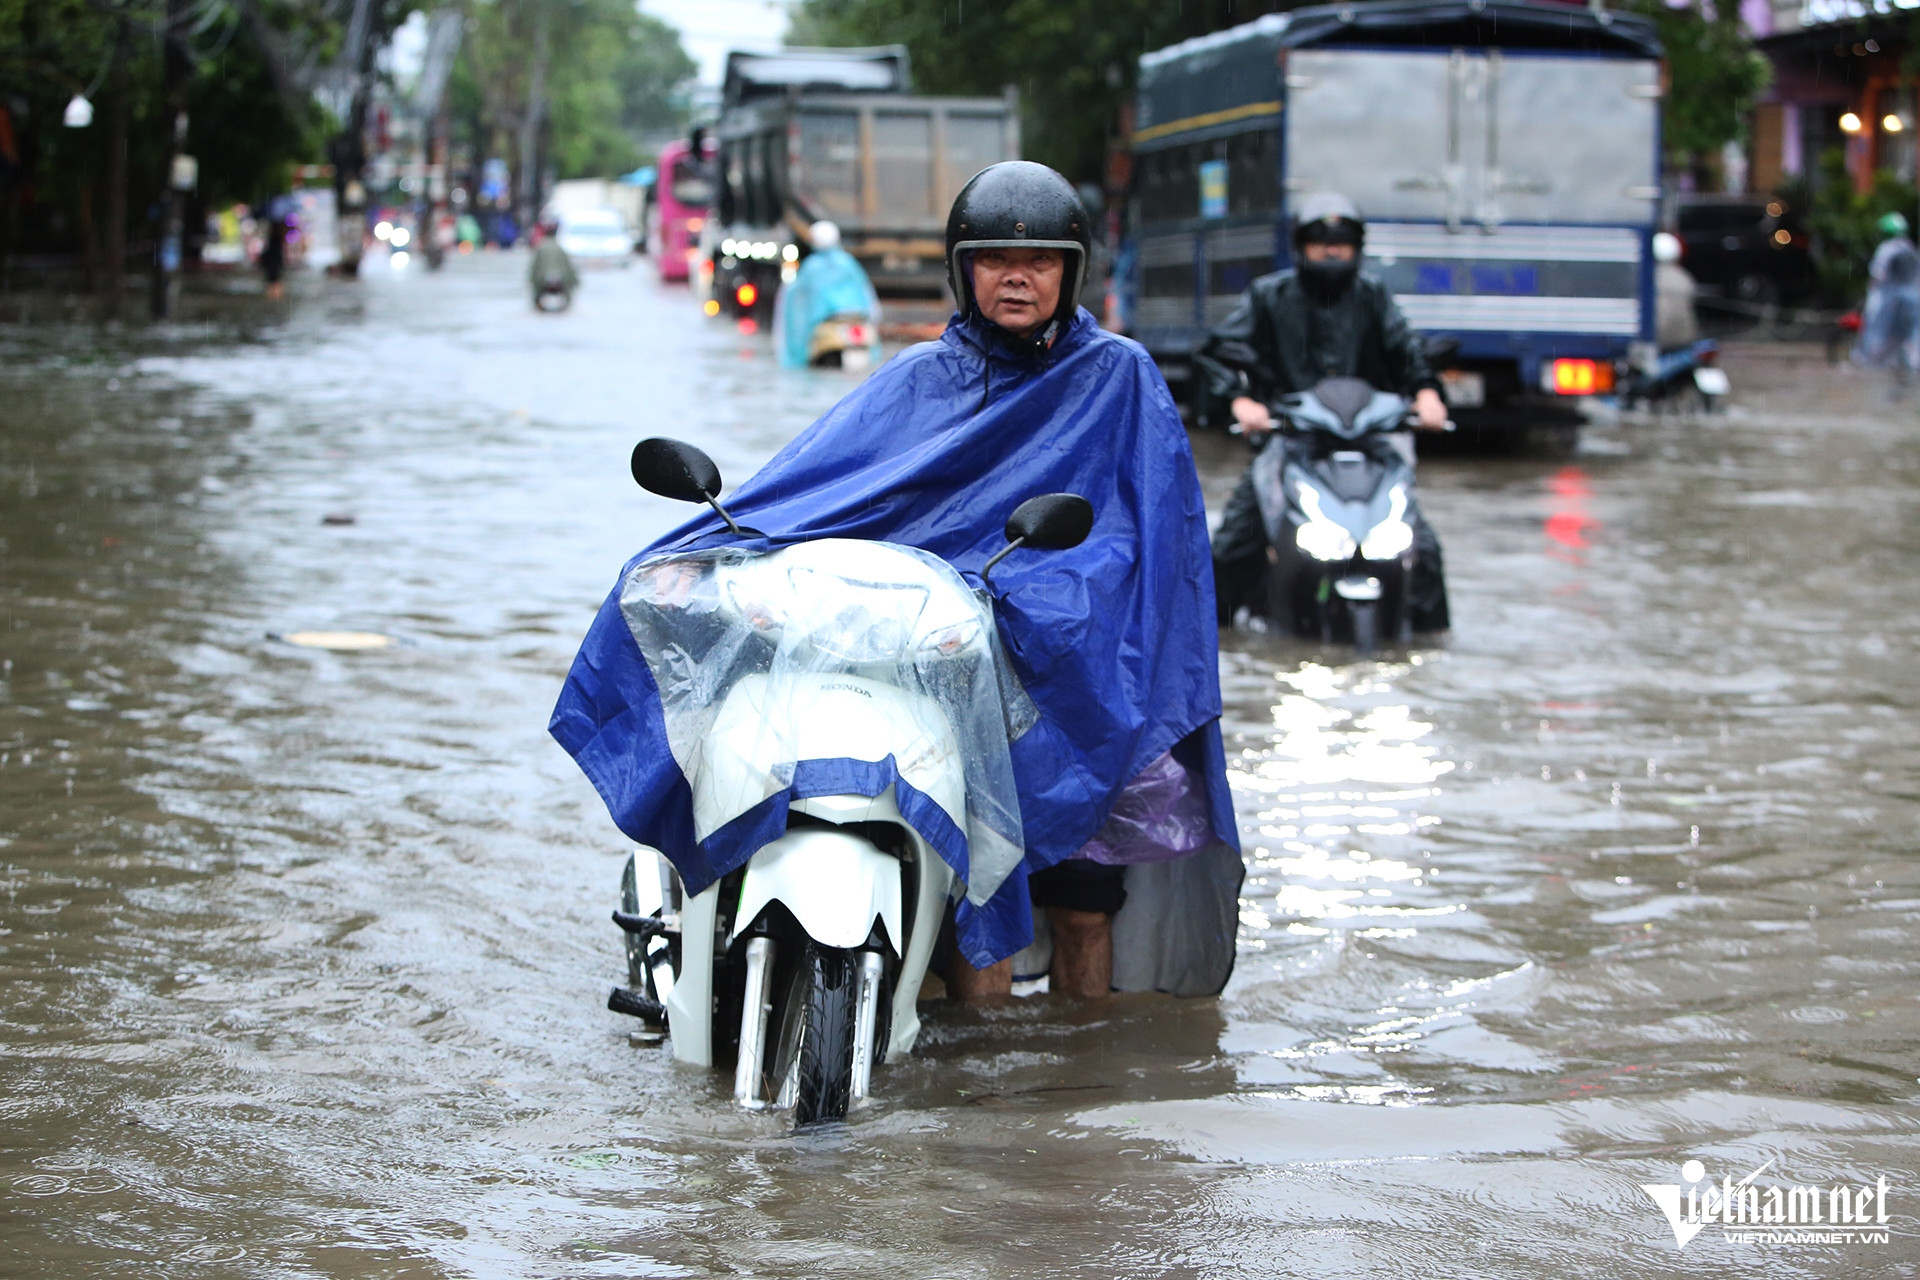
x: 1114, y: 640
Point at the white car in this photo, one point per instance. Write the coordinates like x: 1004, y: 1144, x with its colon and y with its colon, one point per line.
x: 596, y: 236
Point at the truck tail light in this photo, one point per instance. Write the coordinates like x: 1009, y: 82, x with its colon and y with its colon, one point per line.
x: 1581, y: 377
x: 746, y: 295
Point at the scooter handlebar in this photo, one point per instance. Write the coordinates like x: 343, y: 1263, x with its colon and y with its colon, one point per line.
x: 1282, y: 421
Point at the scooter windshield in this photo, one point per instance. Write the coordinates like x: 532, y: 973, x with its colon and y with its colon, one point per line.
x: 836, y: 667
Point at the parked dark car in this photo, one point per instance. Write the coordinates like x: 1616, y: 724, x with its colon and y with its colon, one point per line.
x: 1745, y: 248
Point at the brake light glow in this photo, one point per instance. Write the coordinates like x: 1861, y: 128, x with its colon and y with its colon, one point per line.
x: 1581, y: 377
x: 746, y: 295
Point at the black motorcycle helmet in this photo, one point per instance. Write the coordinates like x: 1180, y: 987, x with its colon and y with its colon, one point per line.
x: 1328, y: 218
x: 1018, y: 204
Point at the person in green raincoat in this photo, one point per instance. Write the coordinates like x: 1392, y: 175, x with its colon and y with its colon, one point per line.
x: 552, y: 270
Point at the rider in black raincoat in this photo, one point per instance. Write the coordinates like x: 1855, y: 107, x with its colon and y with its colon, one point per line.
x: 1291, y: 329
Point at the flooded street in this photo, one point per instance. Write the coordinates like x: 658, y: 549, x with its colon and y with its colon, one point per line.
x: 306, y: 953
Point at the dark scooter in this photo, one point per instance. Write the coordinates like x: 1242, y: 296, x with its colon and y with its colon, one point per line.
x: 1337, y: 498
x: 1689, y: 369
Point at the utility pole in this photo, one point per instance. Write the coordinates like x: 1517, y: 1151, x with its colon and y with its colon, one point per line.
x: 179, y: 174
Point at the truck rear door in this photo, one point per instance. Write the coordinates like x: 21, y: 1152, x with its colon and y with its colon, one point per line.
x: 1337, y: 140
x: 1513, y: 192
x: 886, y: 168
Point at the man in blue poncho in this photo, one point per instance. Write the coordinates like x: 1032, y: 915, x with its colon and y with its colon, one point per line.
x: 1131, y: 845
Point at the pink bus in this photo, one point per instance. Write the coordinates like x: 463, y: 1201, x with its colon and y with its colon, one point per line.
x: 678, y: 210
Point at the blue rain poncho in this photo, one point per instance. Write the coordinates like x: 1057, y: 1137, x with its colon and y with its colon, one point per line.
x: 1113, y: 641
x: 831, y: 282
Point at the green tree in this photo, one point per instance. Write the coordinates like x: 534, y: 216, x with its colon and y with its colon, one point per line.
x: 1845, y: 223
x: 578, y: 84
x: 627, y: 83
x: 252, y: 66
x: 1714, y: 75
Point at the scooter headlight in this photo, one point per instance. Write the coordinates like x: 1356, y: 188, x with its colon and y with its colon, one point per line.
x: 1319, y: 536
x: 1392, y: 536
x: 861, y: 637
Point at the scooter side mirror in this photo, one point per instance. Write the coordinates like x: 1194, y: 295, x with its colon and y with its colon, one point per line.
x: 675, y: 470
x: 1051, y: 522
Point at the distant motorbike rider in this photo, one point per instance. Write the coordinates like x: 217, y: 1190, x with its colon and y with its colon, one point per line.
x: 552, y: 270
x: 1675, y: 325
x: 1324, y: 318
x: 1890, y: 323
x: 829, y: 285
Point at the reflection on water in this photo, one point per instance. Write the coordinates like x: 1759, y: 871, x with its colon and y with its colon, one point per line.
x: 1571, y: 526
x: 304, y: 951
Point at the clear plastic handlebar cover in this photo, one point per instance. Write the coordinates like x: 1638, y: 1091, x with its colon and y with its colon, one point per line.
x: 834, y: 649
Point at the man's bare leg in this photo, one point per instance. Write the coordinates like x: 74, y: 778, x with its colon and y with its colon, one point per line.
x: 1082, y: 952
x: 979, y: 986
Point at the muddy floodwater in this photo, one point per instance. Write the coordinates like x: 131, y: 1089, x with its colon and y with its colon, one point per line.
x: 304, y: 954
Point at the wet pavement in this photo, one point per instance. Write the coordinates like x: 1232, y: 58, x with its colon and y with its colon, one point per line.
x: 303, y: 954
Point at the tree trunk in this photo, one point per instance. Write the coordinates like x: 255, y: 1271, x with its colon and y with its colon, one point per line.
x: 113, y: 255
x: 173, y: 196
x: 527, y: 177
x: 347, y: 150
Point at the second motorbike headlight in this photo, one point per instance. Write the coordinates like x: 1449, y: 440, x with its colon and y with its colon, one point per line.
x: 1320, y: 537
x: 1393, y: 535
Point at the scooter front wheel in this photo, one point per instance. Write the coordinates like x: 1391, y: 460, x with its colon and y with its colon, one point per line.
x: 1366, y: 628
x: 811, y: 1059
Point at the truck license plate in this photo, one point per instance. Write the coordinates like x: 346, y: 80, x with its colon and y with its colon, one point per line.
x: 1464, y: 390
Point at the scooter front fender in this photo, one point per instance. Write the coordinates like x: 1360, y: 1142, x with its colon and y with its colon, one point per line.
x: 834, y: 883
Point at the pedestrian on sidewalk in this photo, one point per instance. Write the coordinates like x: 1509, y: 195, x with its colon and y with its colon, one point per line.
x: 273, y: 252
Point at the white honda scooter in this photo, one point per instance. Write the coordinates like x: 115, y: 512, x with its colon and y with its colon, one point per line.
x: 861, y: 684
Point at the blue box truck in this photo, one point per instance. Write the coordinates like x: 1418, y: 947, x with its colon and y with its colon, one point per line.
x: 1505, y: 154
